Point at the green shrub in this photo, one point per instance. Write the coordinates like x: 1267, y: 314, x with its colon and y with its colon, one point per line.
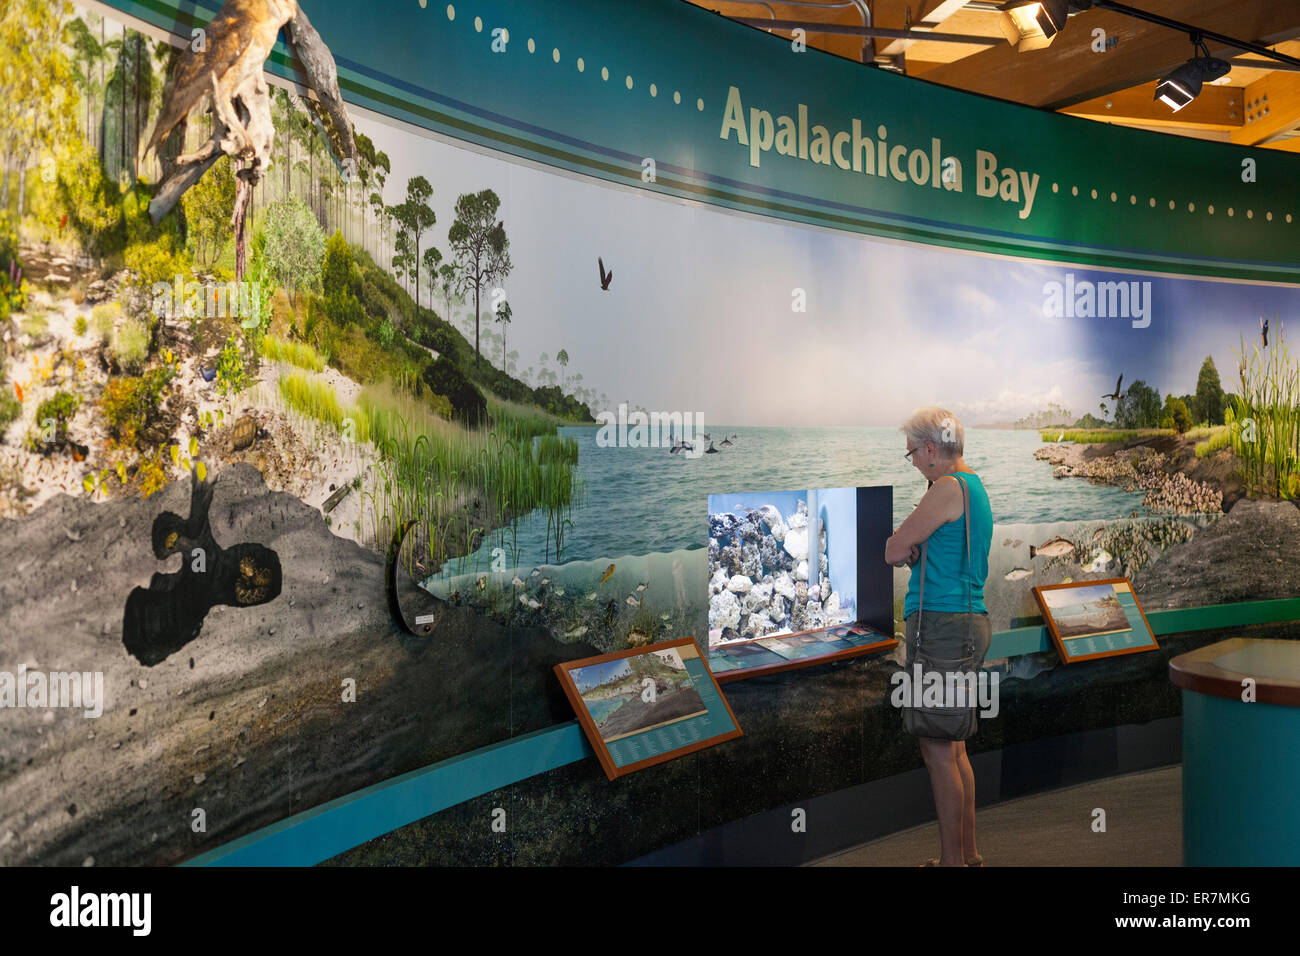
x: 10, y: 409
x: 130, y: 346
x: 385, y: 333
x: 443, y: 341
x: 13, y: 295
x: 230, y: 367
x: 36, y: 325
x: 80, y: 325
x: 445, y: 379
x: 130, y: 403
x: 105, y: 316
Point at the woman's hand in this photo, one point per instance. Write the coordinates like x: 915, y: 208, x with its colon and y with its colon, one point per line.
x: 911, y: 559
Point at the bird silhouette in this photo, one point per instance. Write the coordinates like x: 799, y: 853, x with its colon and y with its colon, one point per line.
x: 1263, y: 331
x: 725, y: 443
x: 710, y: 450
x: 1114, y: 396
x: 605, y: 277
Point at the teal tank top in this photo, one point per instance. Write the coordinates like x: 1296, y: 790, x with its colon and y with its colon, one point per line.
x: 945, y: 566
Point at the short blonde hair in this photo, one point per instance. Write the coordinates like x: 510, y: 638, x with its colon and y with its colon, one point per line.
x: 939, y: 426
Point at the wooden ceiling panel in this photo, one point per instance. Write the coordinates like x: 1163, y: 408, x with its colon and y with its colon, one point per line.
x: 1069, y: 72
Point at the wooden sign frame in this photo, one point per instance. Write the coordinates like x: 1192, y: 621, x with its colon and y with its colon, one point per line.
x: 741, y: 673
x: 596, y: 739
x: 1062, y: 647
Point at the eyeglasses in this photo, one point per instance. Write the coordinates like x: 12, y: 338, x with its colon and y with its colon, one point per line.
x: 910, y: 453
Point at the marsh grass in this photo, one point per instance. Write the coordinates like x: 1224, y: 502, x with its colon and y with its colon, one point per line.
x: 1097, y: 436
x: 1215, y: 438
x: 1265, y: 416
x: 455, y: 484
x: 294, y: 353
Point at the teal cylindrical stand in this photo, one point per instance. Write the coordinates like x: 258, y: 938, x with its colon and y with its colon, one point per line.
x: 1241, y: 782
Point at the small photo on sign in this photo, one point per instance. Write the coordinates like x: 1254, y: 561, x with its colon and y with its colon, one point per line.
x: 1088, y: 620
x: 1086, y: 611
x: 635, y: 694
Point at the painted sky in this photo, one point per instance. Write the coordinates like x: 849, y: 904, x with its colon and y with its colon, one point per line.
x: 699, y: 316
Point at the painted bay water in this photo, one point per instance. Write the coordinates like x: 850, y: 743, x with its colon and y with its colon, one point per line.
x: 643, y: 500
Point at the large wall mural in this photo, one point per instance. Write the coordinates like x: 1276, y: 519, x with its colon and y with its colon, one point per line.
x: 291, y: 507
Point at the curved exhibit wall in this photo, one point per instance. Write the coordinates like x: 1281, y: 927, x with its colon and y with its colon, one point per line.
x: 766, y: 249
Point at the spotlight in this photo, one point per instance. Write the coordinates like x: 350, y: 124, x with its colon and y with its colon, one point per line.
x: 1184, y: 84
x: 1032, y: 26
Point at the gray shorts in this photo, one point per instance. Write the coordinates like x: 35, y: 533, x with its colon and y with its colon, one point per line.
x: 944, y: 641
x: 945, y: 635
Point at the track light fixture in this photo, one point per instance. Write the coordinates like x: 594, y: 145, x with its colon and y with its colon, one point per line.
x: 1184, y: 84
x: 1033, y: 25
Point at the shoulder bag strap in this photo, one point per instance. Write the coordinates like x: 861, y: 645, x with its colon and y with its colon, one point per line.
x: 970, y: 599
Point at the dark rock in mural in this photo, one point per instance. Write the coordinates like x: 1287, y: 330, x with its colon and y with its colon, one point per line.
x: 164, y: 617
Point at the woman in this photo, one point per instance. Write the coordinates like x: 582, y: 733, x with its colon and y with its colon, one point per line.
x: 935, y: 442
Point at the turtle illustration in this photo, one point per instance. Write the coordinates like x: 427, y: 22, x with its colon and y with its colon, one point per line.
x: 244, y: 433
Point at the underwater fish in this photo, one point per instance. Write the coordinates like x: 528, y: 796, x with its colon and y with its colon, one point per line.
x: 481, y: 583
x: 609, y: 572
x: 1052, y: 549
x: 1018, y: 574
x: 633, y: 601
x: 559, y: 592
x: 546, y: 581
x: 517, y: 581
x: 534, y: 604
x: 642, y: 586
x: 665, y: 616
x: 534, y: 573
x: 577, y: 631
x: 526, y: 601
x: 1100, y: 561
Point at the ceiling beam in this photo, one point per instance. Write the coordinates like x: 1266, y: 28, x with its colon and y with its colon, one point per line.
x: 849, y: 47
x: 1272, y: 106
x: 929, y: 13
x: 1069, y: 72
x: 1218, y: 107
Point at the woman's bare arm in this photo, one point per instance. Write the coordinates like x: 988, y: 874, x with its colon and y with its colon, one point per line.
x: 940, y: 504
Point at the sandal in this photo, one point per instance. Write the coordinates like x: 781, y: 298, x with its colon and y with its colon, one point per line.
x: 979, y: 861
x: 934, y: 861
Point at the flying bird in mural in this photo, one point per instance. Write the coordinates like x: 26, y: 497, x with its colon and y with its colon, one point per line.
x: 228, y: 68
x: 1114, y: 396
x: 605, y: 277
